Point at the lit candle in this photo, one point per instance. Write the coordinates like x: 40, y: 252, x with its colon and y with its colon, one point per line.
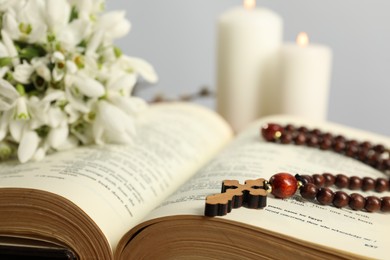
x: 305, y: 71
x: 248, y: 42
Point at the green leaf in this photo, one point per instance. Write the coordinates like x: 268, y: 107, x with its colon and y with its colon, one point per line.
x: 5, y: 61
x: 31, y: 51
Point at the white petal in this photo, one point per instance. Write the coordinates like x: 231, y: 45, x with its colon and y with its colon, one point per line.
x: 23, y: 72
x: 98, y: 131
x: 88, y: 86
x: 21, y: 111
x: 71, y: 67
x: 8, y: 95
x: 142, y: 67
x: 13, y: 53
x: 3, y: 71
x: 27, y: 146
x: 130, y: 105
x: 39, y: 154
x: 77, y: 103
x: 70, y: 143
x: 44, y: 72
x: 11, y: 31
x: 55, y: 117
x: 58, y: 136
x: 54, y: 95
x: 114, y: 24
x: 113, y: 117
x: 16, y: 129
x: 4, y: 122
x: 74, y: 33
x: 125, y: 82
x: 57, y: 13
x: 94, y: 42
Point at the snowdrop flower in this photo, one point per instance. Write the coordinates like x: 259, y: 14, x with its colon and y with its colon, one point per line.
x: 23, y: 72
x: 114, y: 25
x: 63, y: 83
x: 112, y: 125
x: 25, y: 22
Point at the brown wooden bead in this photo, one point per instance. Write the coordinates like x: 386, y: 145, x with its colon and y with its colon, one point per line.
x: 325, y: 142
x: 356, y: 201
x: 385, y: 204
x: 329, y: 179
x: 289, y: 128
x: 325, y: 196
x: 316, y: 132
x: 379, y: 148
x: 312, y: 141
x: 318, y: 180
x: 366, y: 145
x: 381, y: 185
x: 341, y: 181
x: 355, y: 183
x: 307, y: 178
x: 300, y: 139
x: 368, y: 184
x: 374, y: 159
x: 286, y: 138
x: 339, y: 144
x: 341, y: 199
x: 309, y: 191
x: 352, y: 148
x: 303, y: 129
x: 373, y: 204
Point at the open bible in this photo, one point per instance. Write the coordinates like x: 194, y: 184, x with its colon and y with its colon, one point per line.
x: 146, y: 200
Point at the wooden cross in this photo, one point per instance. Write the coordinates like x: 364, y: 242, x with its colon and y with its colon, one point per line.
x: 252, y: 194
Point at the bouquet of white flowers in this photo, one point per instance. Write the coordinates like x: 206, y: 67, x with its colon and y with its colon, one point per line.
x: 62, y: 81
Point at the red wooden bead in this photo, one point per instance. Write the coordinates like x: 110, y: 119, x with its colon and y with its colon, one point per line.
x: 381, y: 185
x: 341, y: 199
x: 325, y: 196
x: 355, y: 183
x: 342, y: 181
x: 283, y: 185
x: 271, y: 132
x: 319, y: 180
x: 309, y: 191
x: 368, y: 184
x: 373, y: 204
x: 329, y: 179
x: 385, y: 205
x: 356, y: 201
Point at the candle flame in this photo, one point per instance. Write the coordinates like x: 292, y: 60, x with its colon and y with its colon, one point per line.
x: 302, y: 39
x: 249, y: 4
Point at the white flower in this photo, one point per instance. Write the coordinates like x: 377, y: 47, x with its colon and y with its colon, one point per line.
x: 112, y: 125
x: 25, y: 21
x: 114, y: 25
x: 63, y: 83
x: 8, y: 95
x: 28, y: 146
x: 139, y: 66
x: 23, y: 72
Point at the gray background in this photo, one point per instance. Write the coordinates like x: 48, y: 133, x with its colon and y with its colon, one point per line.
x: 178, y: 37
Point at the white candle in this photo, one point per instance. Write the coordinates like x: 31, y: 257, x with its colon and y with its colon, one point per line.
x: 248, y: 41
x: 305, y: 71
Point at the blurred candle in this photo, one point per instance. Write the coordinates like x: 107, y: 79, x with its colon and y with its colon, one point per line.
x: 248, y: 42
x: 305, y: 72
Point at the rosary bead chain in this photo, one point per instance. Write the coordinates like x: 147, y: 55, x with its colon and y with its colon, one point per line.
x: 375, y: 155
x: 315, y: 188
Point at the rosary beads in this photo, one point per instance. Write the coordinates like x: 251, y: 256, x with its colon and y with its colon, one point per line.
x: 314, y: 187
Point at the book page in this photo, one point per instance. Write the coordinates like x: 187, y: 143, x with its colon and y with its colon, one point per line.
x: 249, y: 157
x: 117, y: 185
